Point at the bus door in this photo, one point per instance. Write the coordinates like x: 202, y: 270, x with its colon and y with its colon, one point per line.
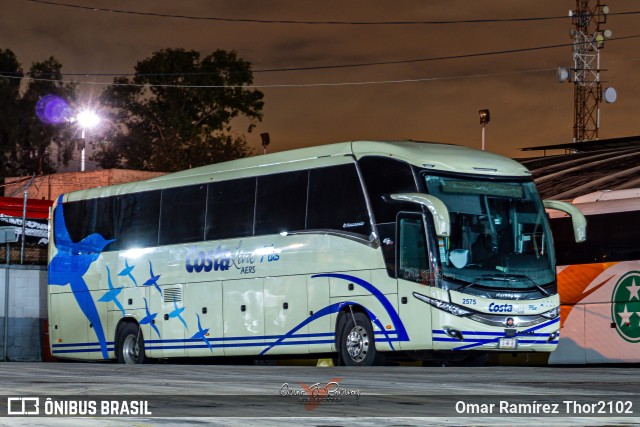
x: 414, y: 275
x: 68, y: 325
x: 285, y: 307
x: 243, y: 314
x: 204, y: 319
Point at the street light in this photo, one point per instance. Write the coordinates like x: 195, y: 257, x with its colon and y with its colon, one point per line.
x: 266, y: 140
x: 484, y: 119
x: 86, y: 120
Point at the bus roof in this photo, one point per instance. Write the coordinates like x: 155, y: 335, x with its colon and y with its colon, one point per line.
x: 433, y: 156
x: 602, y: 202
x: 598, y: 196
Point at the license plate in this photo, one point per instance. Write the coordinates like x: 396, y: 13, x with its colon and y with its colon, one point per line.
x: 508, y: 343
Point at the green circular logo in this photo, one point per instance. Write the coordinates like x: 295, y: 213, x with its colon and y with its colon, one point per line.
x: 625, y: 307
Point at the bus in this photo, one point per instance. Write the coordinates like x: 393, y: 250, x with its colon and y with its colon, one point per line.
x: 362, y: 251
x: 598, y: 281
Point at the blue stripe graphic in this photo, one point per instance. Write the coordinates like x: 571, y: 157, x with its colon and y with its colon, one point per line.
x: 334, y: 308
x: 524, y: 334
x: 229, y: 342
x: 393, y: 314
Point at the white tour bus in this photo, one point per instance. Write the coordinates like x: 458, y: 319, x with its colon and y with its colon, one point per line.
x: 360, y: 250
x: 598, y: 281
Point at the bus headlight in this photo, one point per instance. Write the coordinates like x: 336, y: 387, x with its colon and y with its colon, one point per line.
x: 454, y: 309
x: 551, y: 314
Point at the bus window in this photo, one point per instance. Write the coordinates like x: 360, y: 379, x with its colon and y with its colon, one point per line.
x: 336, y: 201
x: 94, y: 216
x: 609, y: 239
x: 281, y: 202
x: 182, y: 214
x: 138, y: 220
x: 230, y: 209
x: 383, y: 176
x: 413, y: 262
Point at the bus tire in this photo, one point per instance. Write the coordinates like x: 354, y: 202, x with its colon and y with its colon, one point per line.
x: 357, y: 343
x: 130, y: 345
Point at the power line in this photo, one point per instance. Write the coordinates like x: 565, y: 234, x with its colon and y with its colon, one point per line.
x: 12, y: 75
x: 437, y: 58
x: 472, y: 55
x: 293, y: 85
x: 296, y: 22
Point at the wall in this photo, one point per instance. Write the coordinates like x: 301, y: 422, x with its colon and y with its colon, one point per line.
x: 27, y: 311
x: 49, y: 187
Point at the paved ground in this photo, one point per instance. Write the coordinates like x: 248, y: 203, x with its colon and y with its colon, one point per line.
x: 277, y: 395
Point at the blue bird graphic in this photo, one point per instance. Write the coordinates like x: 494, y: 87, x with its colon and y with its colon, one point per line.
x: 149, y: 318
x: 153, y: 280
x: 112, y: 293
x: 202, y: 334
x: 71, y: 263
x: 126, y: 271
x: 177, y: 311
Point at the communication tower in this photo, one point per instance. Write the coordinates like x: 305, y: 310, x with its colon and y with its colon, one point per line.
x: 588, y: 38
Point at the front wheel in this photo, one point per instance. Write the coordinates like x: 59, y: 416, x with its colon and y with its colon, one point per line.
x: 357, y: 343
x: 130, y: 345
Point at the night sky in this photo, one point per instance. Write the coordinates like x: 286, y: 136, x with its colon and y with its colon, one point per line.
x: 528, y: 106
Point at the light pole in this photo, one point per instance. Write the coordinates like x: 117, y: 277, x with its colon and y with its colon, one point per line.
x: 86, y: 120
x: 484, y: 119
x: 266, y: 140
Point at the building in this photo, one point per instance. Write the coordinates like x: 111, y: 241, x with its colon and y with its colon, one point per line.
x: 49, y: 187
x: 586, y: 167
x: 24, y: 284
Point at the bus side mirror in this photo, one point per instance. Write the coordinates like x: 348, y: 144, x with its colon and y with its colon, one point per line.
x: 577, y: 218
x: 436, y: 206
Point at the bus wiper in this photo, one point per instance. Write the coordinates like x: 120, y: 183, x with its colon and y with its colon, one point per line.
x: 475, y: 282
x: 516, y: 277
x: 505, y: 278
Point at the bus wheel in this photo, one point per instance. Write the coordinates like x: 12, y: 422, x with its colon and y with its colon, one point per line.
x: 130, y: 346
x: 357, y: 347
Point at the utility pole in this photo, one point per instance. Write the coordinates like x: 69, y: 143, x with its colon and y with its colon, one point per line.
x: 588, y: 38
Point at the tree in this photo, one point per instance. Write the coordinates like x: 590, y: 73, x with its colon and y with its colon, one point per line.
x: 28, y: 145
x: 9, y: 95
x: 45, y: 144
x: 176, y: 112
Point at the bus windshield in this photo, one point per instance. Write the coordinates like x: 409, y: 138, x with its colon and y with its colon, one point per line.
x: 500, y: 237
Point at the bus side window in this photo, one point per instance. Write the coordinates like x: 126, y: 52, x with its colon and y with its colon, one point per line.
x: 608, y: 239
x: 230, y: 209
x: 77, y: 217
x: 412, y: 251
x: 182, y: 214
x: 86, y: 217
x: 383, y: 176
x: 281, y: 201
x: 336, y: 201
x: 138, y: 220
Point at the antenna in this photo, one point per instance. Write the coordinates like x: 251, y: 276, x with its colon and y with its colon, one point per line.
x: 588, y: 38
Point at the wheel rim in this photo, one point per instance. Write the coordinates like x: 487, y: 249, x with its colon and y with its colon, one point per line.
x: 358, y: 344
x: 130, y: 350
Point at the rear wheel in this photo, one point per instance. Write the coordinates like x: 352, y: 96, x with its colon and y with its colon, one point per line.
x: 130, y: 345
x: 357, y: 343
